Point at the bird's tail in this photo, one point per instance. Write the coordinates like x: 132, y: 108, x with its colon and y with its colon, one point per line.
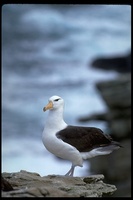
x: 102, y: 150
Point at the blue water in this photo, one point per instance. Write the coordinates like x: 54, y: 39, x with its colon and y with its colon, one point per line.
x: 47, y: 50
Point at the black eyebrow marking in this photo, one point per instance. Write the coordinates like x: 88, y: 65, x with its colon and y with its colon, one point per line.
x: 57, y: 99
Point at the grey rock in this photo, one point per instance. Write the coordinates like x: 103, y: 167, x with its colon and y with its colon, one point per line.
x: 117, y: 166
x: 28, y: 184
x: 119, y: 63
x: 117, y: 95
x: 5, y: 185
x: 117, y: 92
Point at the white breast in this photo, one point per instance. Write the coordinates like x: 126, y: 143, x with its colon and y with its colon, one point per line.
x: 61, y: 149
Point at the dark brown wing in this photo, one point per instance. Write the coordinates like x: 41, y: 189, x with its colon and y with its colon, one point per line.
x: 84, y: 138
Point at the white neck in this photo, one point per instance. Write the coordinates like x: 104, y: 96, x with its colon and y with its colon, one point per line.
x: 55, y: 119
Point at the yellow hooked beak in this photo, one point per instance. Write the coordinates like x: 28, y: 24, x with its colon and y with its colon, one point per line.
x: 48, y: 106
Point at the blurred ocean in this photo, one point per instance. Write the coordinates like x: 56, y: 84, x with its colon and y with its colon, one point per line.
x: 46, y: 50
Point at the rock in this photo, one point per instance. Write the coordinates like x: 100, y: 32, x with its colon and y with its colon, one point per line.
x: 117, y: 166
x: 120, y: 63
x: 96, y: 116
x: 27, y: 184
x: 119, y: 122
x: 116, y: 93
x: 5, y: 185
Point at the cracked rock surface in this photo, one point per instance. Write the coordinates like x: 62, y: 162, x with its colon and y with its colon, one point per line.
x: 29, y: 184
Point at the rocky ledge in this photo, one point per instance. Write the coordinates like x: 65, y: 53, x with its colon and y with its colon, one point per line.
x: 28, y: 184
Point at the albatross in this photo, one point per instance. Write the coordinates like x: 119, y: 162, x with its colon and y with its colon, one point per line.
x: 73, y: 143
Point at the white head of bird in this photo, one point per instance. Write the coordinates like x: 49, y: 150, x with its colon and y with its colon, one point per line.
x: 55, y: 102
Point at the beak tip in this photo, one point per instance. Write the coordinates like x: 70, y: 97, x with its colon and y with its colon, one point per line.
x: 44, y: 109
x: 48, y: 106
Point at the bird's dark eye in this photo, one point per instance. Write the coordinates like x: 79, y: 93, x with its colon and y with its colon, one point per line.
x: 56, y: 99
